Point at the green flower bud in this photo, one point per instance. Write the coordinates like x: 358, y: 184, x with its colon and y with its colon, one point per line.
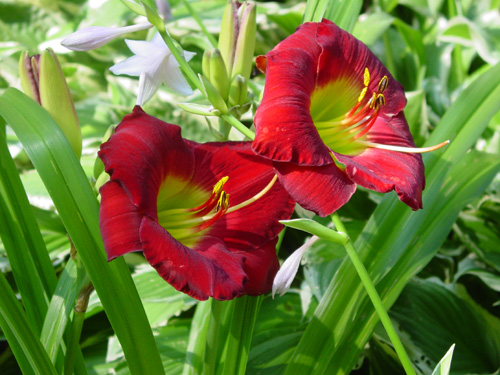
x: 29, y: 76
x: 205, y: 63
x: 238, y: 91
x: 245, y: 44
x: 43, y: 80
x: 218, y: 73
x: 228, y: 34
x: 56, y: 99
x: 213, y: 95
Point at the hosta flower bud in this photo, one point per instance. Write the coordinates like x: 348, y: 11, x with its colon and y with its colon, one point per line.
x: 93, y: 37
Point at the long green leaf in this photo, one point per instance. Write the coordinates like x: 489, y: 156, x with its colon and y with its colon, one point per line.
x: 31, y: 265
x: 60, y: 308
x: 344, y: 319
x: 76, y: 203
x: 29, y: 352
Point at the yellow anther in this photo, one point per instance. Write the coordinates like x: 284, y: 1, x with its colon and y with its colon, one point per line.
x: 223, y: 201
x: 382, y: 85
x: 373, y: 100
x: 218, y: 186
x: 379, y: 101
x: 362, y: 95
x: 366, y: 78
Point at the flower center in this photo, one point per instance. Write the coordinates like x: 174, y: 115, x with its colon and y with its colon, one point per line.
x: 341, y: 124
x: 186, y: 224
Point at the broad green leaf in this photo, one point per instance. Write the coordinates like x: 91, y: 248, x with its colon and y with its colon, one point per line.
x: 440, y: 324
x: 277, y: 331
x: 23, y: 341
x: 76, y: 203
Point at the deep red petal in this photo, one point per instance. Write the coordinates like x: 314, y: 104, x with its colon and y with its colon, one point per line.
x: 383, y: 170
x: 210, y: 270
x: 284, y: 128
x: 344, y: 56
x: 261, y: 266
x: 119, y: 220
x: 256, y: 223
x: 142, y: 153
x: 320, y: 189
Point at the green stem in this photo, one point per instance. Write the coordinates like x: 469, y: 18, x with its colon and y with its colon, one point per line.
x: 210, y: 37
x: 239, y: 126
x: 76, y: 328
x: 375, y: 298
x: 186, y: 68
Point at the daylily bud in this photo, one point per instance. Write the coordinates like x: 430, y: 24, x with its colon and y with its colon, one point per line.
x: 213, y: 95
x: 238, y: 91
x: 245, y: 45
x: 43, y: 80
x: 29, y: 76
x: 228, y: 34
x: 94, y: 37
x: 205, y: 63
x: 237, y: 37
x: 218, y: 73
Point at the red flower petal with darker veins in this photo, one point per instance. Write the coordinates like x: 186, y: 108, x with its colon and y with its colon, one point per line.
x: 161, y: 199
x: 328, y: 110
x: 384, y: 170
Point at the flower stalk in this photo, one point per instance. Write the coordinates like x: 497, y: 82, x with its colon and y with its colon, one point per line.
x: 375, y: 298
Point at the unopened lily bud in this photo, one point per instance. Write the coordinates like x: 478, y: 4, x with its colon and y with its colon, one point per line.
x: 213, y: 95
x: 93, y: 37
x: 56, y: 99
x: 29, y: 75
x: 229, y: 34
x: 218, y: 73
x: 43, y: 80
x: 238, y: 91
x: 205, y: 63
x: 245, y: 44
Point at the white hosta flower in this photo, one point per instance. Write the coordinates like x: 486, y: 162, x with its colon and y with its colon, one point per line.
x: 289, y: 268
x: 153, y: 63
x: 94, y: 37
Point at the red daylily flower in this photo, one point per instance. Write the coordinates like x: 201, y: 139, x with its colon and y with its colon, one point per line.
x: 331, y: 118
x: 204, y: 215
